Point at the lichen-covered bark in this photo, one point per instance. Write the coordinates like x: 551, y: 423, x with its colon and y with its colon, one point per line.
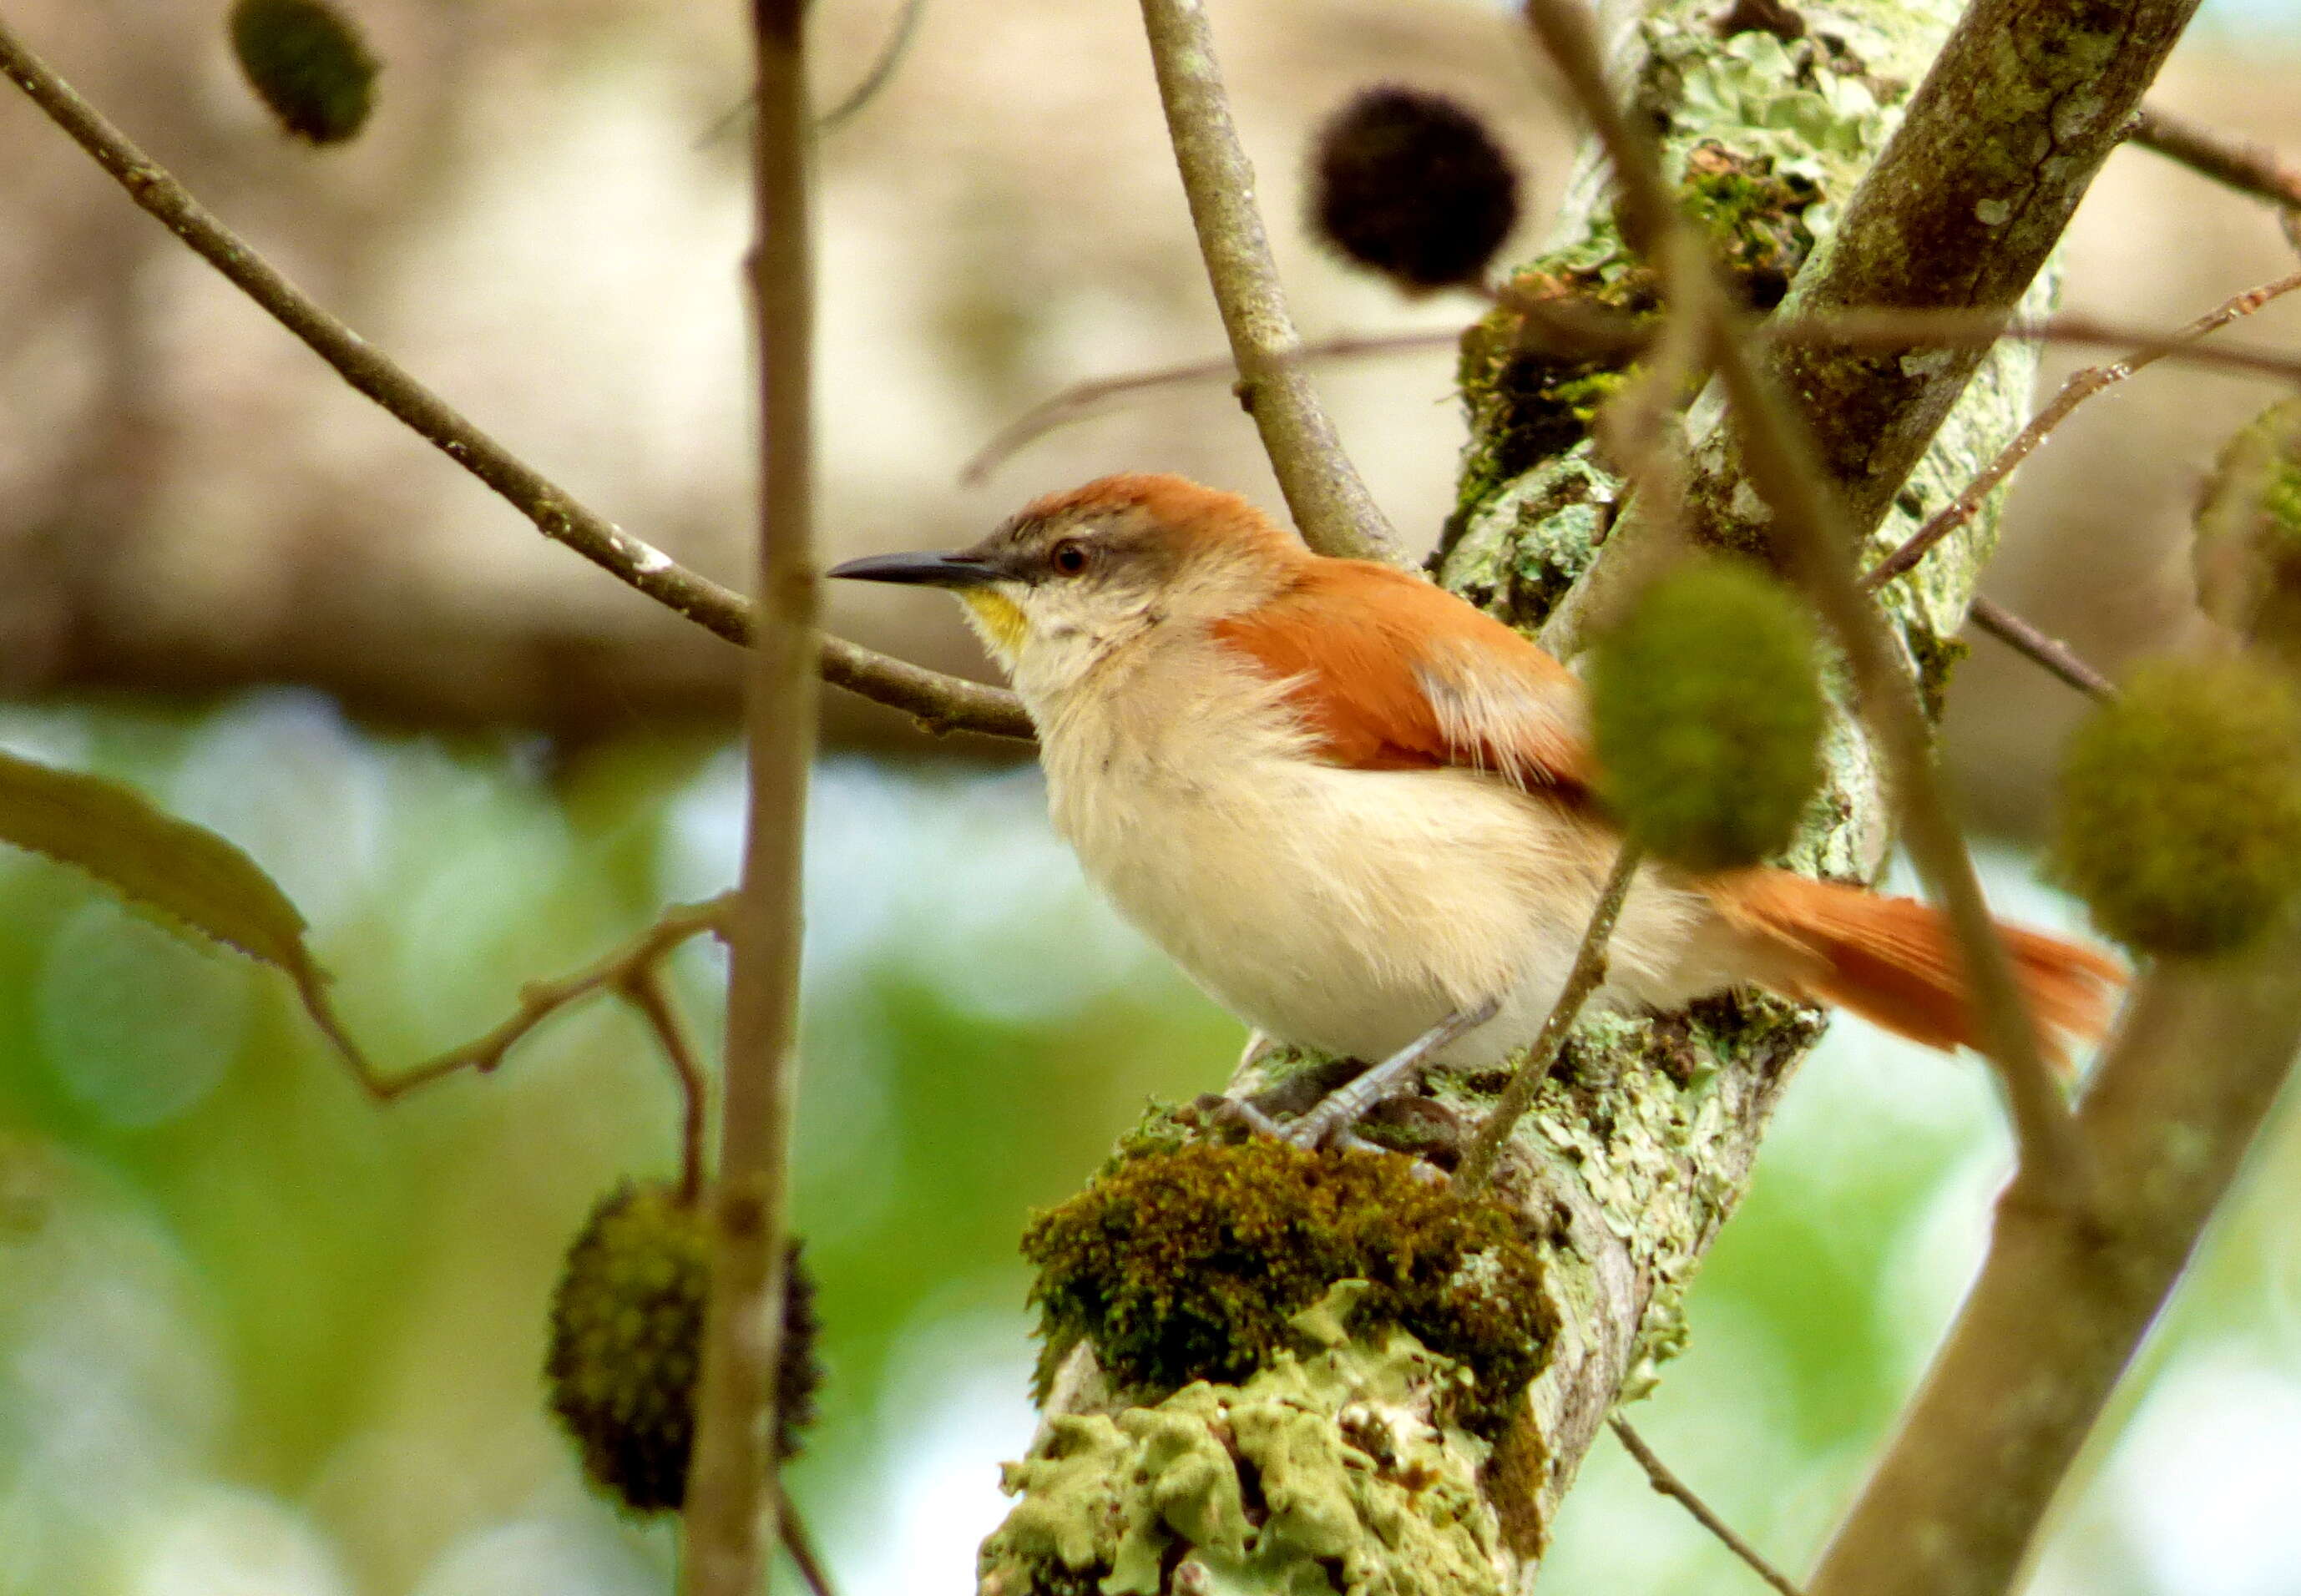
x: 1641, y: 1146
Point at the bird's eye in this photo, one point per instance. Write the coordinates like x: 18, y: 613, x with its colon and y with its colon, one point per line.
x: 1068, y: 557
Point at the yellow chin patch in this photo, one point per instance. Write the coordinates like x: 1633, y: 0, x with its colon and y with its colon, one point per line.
x: 999, y: 618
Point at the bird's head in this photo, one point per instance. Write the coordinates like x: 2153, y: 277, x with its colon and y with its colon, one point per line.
x: 1076, y: 575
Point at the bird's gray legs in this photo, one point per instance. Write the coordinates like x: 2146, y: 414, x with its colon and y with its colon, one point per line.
x: 1345, y: 1106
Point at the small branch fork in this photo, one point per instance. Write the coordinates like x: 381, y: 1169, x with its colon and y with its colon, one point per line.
x: 632, y: 972
x: 1661, y: 1479
x: 940, y: 703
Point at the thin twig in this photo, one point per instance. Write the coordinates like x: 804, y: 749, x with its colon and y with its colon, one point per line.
x: 882, y: 70
x: 1603, y: 335
x: 2248, y: 167
x: 643, y: 988
x: 1661, y: 1479
x: 940, y: 702
x: 1891, y: 331
x: 1587, y: 975
x: 1082, y: 400
x: 2079, y: 386
x: 540, y: 1000
x: 1330, y: 504
x: 2024, y: 638
x: 1815, y: 545
x: 733, y: 1477
x: 800, y: 1545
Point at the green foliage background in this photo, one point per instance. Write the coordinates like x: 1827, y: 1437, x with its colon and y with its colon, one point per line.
x: 256, y: 1336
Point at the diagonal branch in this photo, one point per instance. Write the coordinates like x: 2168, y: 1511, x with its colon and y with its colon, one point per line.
x: 1331, y: 505
x: 2062, y: 1301
x: 1587, y: 975
x: 1659, y: 1476
x: 940, y: 703
x: 2050, y: 652
x: 1960, y: 212
x: 2244, y: 166
x: 2076, y: 390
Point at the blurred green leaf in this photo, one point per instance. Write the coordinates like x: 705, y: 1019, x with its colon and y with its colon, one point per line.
x: 192, y: 879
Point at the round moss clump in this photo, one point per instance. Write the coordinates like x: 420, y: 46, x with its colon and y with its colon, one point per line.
x: 2180, y: 806
x: 1186, y: 1264
x: 1412, y: 185
x: 306, y: 60
x: 1707, y: 714
x: 626, y: 1344
x: 2248, y: 544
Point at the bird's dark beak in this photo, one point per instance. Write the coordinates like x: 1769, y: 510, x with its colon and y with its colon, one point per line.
x: 920, y: 570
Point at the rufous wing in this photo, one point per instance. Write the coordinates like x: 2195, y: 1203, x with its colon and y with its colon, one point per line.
x: 1390, y: 672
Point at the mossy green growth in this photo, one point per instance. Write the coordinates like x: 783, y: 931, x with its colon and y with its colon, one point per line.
x: 306, y: 60
x: 1334, y: 1468
x: 1756, y: 215
x: 1187, y: 1266
x: 626, y: 1339
x: 2248, y: 543
x: 1529, y: 400
x: 1707, y: 715
x: 2180, y: 822
x: 1530, y: 396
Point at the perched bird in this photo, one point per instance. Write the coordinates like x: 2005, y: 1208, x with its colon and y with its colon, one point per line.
x: 1358, y: 812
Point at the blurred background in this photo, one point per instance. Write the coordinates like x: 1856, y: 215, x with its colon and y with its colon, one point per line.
x: 259, y: 1339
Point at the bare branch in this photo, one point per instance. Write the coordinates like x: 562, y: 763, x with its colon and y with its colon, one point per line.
x: 538, y: 1000
x: 2064, y: 1300
x: 1814, y: 544
x: 882, y: 70
x: 1608, y: 334
x: 2076, y: 390
x: 2244, y: 166
x: 1330, y: 504
x: 1661, y: 1479
x: 734, y: 1477
x: 1082, y: 400
x: 2050, y: 652
x: 643, y: 988
x: 1587, y: 976
x: 940, y: 702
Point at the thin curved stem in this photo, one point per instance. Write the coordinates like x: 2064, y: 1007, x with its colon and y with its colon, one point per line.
x: 1587, y: 975
x: 1659, y: 1476
x: 540, y: 1000
x: 2079, y: 386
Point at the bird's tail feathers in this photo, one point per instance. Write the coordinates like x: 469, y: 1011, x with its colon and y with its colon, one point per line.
x: 1895, y: 962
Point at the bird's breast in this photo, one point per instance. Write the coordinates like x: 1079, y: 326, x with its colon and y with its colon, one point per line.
x: 1344, y: 909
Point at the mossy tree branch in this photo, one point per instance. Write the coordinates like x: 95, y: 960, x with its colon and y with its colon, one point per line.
x: 1959, y: 211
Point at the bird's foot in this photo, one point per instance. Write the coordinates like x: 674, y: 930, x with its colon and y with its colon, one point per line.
x: 1343, y: 1107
